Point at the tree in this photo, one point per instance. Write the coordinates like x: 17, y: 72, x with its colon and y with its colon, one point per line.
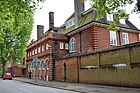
x: 16, y: 22
x: 115, y: 7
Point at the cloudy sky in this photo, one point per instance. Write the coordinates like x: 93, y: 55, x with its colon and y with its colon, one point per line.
x: 62, y: 10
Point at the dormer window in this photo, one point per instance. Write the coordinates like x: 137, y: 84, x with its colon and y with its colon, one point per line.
x: 69, y: 23
x: 110, y: 17
x: 122, y: 21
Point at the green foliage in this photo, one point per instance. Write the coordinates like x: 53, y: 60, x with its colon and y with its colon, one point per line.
x: 113, y: 26
x: 0, y: 72
x: 16, y: 22
x: 115, y: 7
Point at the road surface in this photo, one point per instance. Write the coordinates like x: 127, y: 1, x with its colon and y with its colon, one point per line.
x: 11, y: 86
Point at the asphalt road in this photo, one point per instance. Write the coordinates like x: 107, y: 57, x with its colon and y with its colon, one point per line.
x: 11, y: 86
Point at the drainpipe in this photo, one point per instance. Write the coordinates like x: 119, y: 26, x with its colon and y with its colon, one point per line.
x: 56, y: 50
x: 78, y: 67
x: 119, y: 32
x: 55, y: 54
x: 51, y: 64
x: 80, y: 33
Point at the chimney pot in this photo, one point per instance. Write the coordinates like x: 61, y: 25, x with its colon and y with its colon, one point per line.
x: 51, y: 20
x: 40, y: 31
x: 79, y: 8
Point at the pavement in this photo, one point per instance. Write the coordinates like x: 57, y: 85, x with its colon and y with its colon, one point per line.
x: 79, y: 87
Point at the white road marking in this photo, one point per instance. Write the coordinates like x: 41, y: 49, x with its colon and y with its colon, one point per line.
x: 25, y: 90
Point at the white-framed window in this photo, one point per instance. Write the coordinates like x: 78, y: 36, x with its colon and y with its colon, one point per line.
x: 72, y: 45
x: 33, y: 52
x: 28, y: 54
x: 66, y: 46
x: 43, y: 48
x: 113, y: 38
x: 69, y: 23
x: 61, y: 46
x: 47, y: 46
x: 125, y: 38
x: 38, y: 49
x: 122, y: 21
x: 110, y: 17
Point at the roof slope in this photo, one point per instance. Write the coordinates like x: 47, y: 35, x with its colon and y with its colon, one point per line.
x: 90, y: 15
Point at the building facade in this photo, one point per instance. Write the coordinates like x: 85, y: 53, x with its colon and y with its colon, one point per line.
x: 59, y: 48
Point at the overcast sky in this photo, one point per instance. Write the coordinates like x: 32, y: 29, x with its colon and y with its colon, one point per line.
x: 62, y: 10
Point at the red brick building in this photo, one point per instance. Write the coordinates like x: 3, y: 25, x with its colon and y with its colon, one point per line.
x: 80, y: 34
x: 46, y: 49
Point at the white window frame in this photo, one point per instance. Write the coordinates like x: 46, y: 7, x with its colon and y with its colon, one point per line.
x: 66, y: 46
x: 110, y: 17
x: 33, y: 52
x: 61, y: 46
x: 28, y: 54
x: 38, y: 49
x: 47, y: 46
x: 122, y: 21
x: 72, y: 45
x: 113, y: 38
x: 42, y: 48
x: 69, y: 23
x: 125, y: 38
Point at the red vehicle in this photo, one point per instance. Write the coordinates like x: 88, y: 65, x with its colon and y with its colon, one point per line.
x: 7, y: 76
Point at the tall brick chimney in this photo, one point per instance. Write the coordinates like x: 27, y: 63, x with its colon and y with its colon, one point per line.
x: 51, y: 20
x: 40, y: 31
x: 79, y: 8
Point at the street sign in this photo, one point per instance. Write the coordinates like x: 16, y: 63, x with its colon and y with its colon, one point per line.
x: 35, y: 62
x: 35, y: 65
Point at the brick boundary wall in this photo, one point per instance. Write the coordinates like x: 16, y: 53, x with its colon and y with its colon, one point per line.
x: 117, y: 66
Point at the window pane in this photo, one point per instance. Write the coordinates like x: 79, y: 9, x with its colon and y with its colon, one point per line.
x: 66, y: 46
x: 39, y: 50
x: 47, y: 46
x: 125, y: 38
x: 61, y: 46
x: 72, y: 45
x: 43, y: 48
x: 110, y: 17
x: 113, y: 38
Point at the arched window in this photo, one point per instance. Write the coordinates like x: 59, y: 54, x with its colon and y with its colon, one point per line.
x: 46, y: 64
x: 42, y: 65
x: 72, y: 45
x: 39, y: 63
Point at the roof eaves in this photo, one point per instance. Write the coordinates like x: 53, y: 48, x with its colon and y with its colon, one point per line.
x: 74, y: 31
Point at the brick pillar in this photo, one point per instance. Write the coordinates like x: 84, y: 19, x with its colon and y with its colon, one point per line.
x: 94, y: 42
x: 51, y: 63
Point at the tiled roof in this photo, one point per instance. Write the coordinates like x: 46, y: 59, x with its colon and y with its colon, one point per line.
x: 90, y: 16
